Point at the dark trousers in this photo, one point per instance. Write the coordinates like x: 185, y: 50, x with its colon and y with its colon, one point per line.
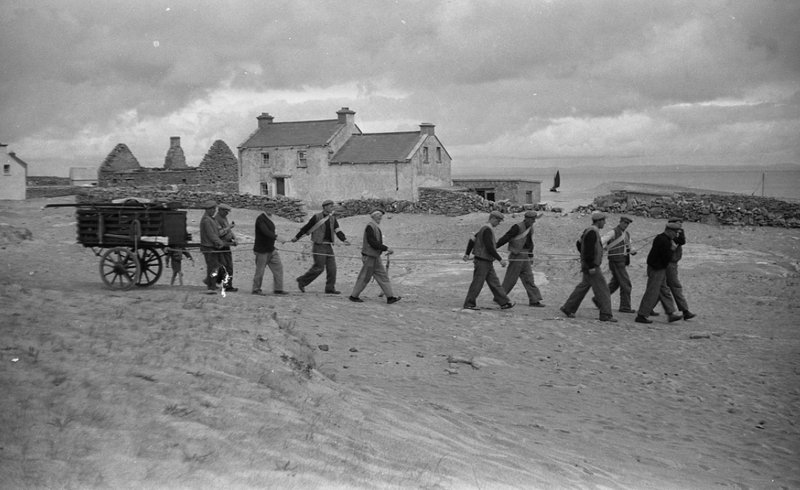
x: 484, y: 272
x: 212, y: 269
x: 226, y: 261
x: 675, y: 286
x: 620, y: 280
x: 597, y: 283
x: 323, y: 261
x: 656, y: 290
x: 519, y: 267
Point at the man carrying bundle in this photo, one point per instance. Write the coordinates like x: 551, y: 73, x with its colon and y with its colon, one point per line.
x: 483, y: 245
x: 520, y: 257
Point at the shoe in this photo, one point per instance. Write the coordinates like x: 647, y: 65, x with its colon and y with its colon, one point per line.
x: 642, y: 319
x: 258, y: 293
x: 392, y: 300
x: 356, y: 300
x: 538, y: 304
x: 301, y: 287
x: 688, y: 315
x: 626, y: 310
x: 231, y: 289
x: 471, y: 307
x: 279, y: 292
x: 675, y: 317
x: 333, y: 292
x: 609, y: 319
x: 596, y: 303
x: 654, y: 313
x: 507, y: 306
x: 566, y: 313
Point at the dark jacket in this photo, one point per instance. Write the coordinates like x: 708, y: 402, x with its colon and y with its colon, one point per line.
x: 527, y: 243
x: 486, y: 249
x: 265, y: 235
x: 591, y: 249
x: 661, y: 252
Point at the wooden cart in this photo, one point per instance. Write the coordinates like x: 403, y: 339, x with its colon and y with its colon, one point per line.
x: 131, y: 238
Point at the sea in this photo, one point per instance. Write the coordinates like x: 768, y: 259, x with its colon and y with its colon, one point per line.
x: 778, y: 183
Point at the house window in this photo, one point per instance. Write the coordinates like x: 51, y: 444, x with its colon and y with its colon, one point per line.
x: 330, y: 155
x: 425, y: 155
x: 438, y: 154
x: 301, y: 160
x: 265, y: 159
x: 487, y: 194
x: 280, y: 186
x: 264, y: 188
x: 7, y: 169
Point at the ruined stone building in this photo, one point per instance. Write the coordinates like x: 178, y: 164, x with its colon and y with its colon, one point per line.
x: 217, y: 171
x: 516, y: 191
x: 333, y: 159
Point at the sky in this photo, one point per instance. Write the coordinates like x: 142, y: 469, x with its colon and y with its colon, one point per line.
x: 528, y: 83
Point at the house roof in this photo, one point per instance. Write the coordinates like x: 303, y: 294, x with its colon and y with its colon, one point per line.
x: 378, y: 147
x: 19, y: 160
x: 311, y: 133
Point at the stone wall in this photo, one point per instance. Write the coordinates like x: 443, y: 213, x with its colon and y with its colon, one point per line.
x: 287, y: 208
x: 723, y: 209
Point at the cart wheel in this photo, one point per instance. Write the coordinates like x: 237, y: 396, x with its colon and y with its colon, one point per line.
x: 119, y: 268
x: 151, y: 266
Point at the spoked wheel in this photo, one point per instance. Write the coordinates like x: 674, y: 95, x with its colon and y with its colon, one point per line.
x: 119, y: 268
x: 151, y: 265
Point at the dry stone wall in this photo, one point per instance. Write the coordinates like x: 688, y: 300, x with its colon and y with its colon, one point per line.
x: 287, y: 208
x: 723, y: 209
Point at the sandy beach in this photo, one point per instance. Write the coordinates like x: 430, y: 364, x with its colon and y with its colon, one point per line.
x: 166, y: 387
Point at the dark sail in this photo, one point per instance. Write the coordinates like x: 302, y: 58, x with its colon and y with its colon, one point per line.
x: 556, y: 182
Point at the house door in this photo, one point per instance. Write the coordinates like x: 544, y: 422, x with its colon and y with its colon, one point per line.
x: 528, y: 197
x: 280, y: 186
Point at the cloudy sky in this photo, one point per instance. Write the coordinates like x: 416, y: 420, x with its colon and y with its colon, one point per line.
x: 708, y: 81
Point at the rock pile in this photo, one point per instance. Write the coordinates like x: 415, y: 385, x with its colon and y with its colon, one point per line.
x: 724, y: 209
x: 287, y: 207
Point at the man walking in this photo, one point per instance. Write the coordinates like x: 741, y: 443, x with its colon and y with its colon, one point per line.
x: 520, y: 257
x: 322, y: 227
x: 592, y: 276
x: 618, y: 244
x: 485, y: 250
x: 657, y: 261
x: 673, y: 283
x: 371, y: 250
x: 229, y: 240
x: 210, y: 243
x: 265, y: 253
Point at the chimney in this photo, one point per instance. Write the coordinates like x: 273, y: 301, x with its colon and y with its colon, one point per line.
x: 264, y: 119
x: 346, y: 116
x: 174, y: 141
x: 426, y: 129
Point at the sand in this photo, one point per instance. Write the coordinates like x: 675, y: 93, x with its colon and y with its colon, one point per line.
x: 166, y: 387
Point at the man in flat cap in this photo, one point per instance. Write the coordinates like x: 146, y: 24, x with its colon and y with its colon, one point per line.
x: 520, y: 247
x: 265, y: 252
x: 618, y: 244
x: 673, y: 283
x: 323, y: 228
x: 591, y: 249
x: 658, y: 259
x: 229, y: 240
x: 371, y: 250
x: 482, y: 244
x: 210, y: 244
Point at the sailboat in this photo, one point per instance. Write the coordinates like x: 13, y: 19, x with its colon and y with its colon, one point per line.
x: 556, y: 182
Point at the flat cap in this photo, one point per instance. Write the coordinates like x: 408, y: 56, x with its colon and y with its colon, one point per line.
x: 625, y: 218
x: 270, y: 204
x: 376, y: 210
x: 597, y: 216
x: 326, y: 202
x: 673, y: 226
x: 675, y: 219
x: 225, y: 207
x: 533, y: 214
x: 209, y: 204
x: 497, y: 214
